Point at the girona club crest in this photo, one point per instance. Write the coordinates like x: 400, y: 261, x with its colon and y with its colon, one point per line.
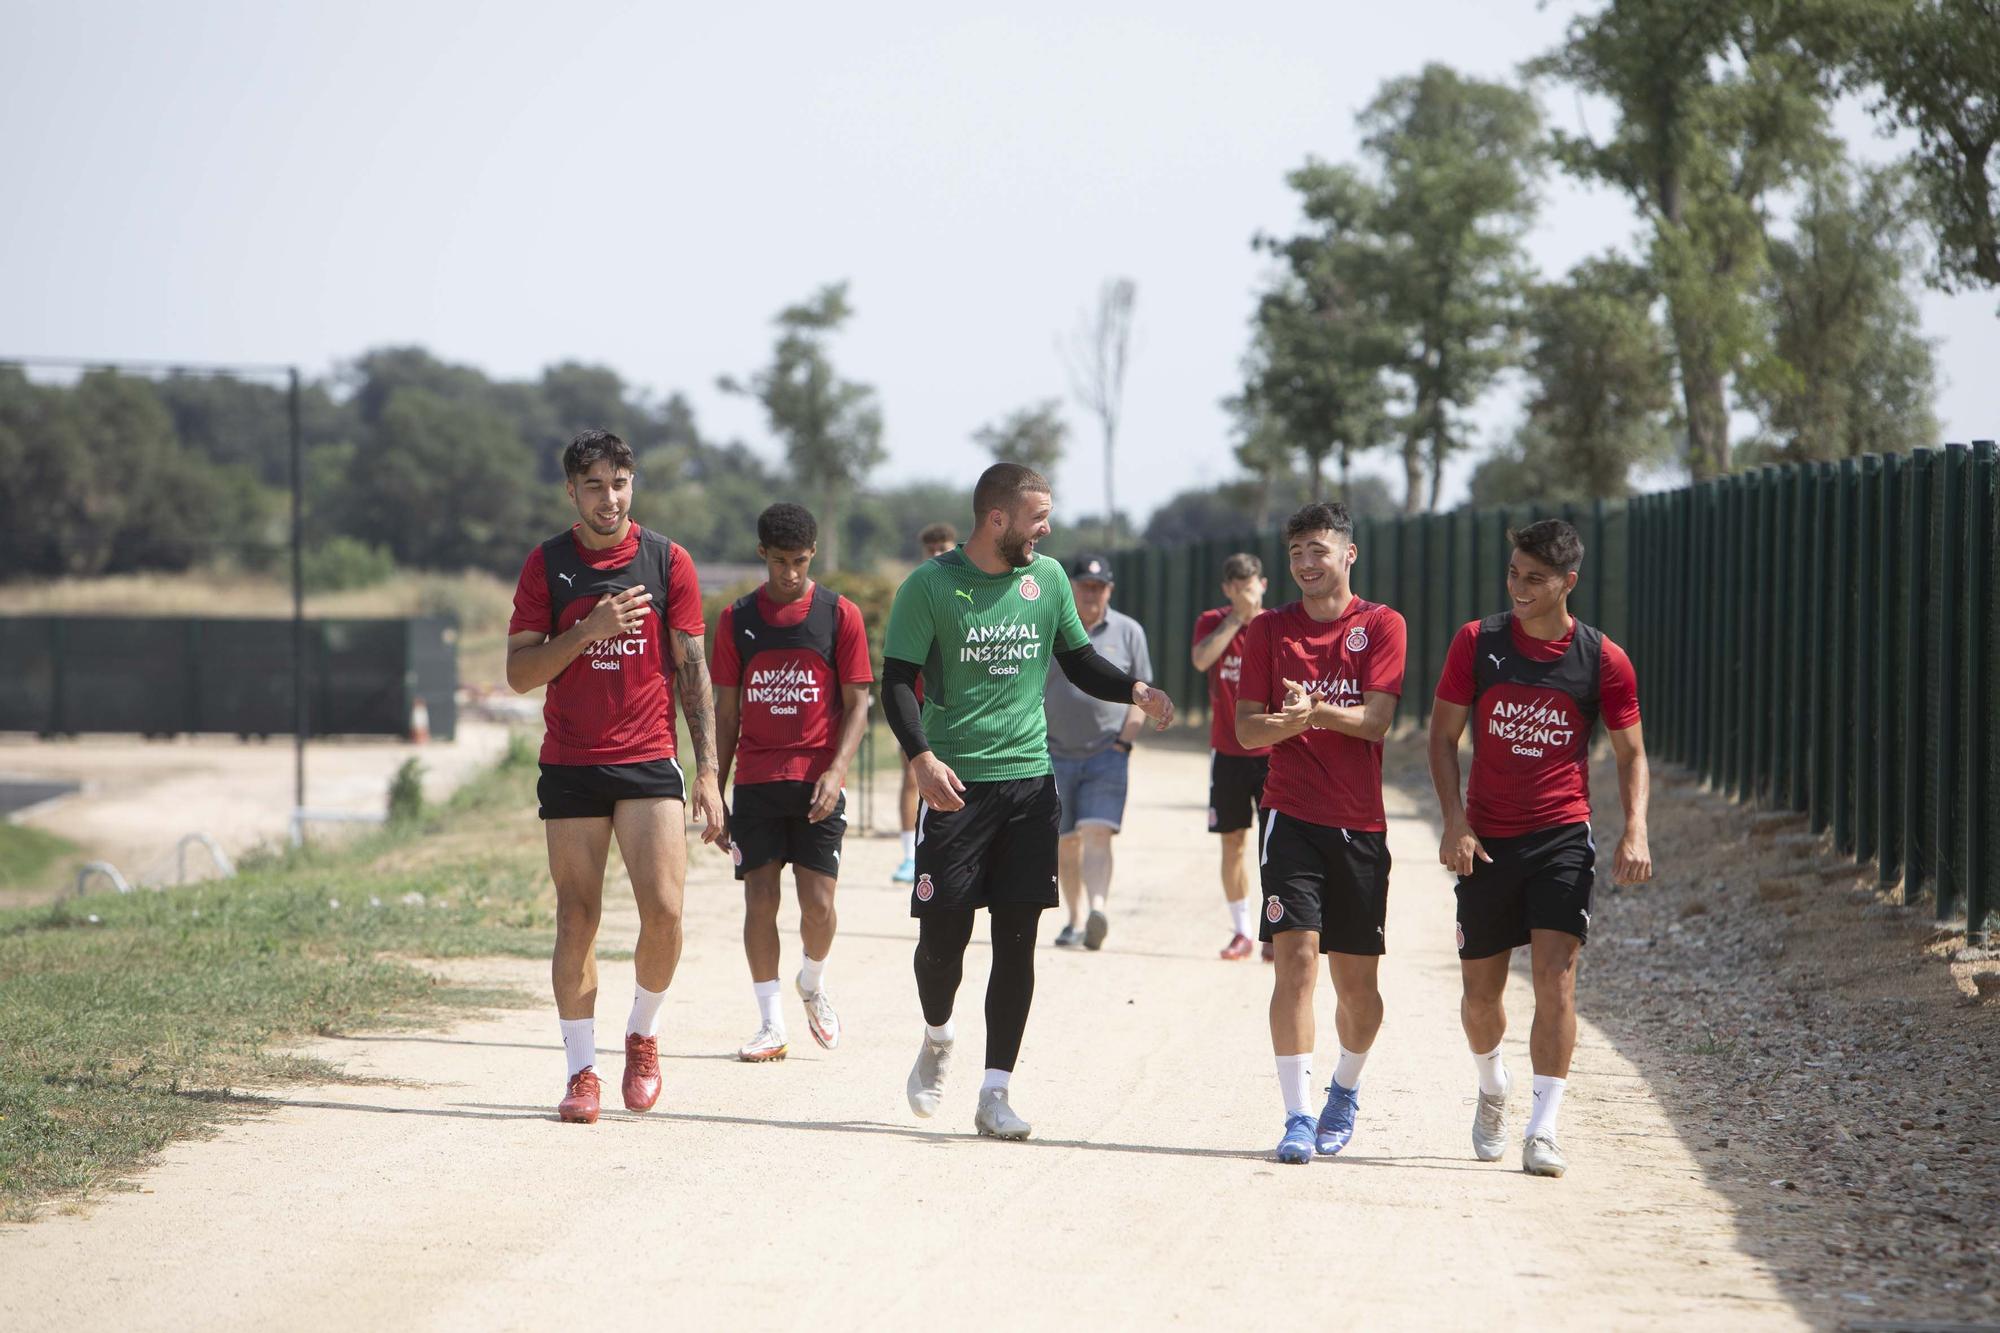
x: 1274, y: 911
x: 1030, y: 590
x: 925, y: 889
x: 1357, y: 639
x: 736, y: 853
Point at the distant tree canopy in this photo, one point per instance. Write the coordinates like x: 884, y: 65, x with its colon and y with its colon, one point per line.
x: 408, y: 458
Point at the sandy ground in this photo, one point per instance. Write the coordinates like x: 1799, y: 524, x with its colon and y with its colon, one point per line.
x: 805, y: 1195
x: 140, y: 797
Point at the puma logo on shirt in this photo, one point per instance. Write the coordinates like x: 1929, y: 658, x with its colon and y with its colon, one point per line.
x: 570, y: 579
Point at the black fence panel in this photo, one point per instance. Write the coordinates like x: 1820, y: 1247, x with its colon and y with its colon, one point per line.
x: 159, y: 676
x: 1814, y: 637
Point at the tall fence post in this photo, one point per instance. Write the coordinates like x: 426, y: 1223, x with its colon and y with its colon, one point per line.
x: 1886, y: 544
x: 1918, y: 862
x: 1975, y: 811
x: 1945, y: 717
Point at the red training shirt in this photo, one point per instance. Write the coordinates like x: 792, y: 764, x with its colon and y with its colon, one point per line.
x: 613, y: 704
x: 789, y: 711
x: 1324, y: 777
x: 1527, y: 781
x: 1223, y: 673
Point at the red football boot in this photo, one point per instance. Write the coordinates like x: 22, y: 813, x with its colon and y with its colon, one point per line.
x: 579, y: 1104
x: 1239, y: 946
x: 642, y: 1072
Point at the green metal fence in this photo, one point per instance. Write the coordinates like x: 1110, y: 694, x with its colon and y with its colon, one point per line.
x: 1814, y: 637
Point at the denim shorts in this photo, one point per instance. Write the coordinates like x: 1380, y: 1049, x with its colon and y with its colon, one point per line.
x: 1092, y: 789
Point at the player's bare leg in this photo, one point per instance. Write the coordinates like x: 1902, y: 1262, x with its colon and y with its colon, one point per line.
x: 1357, y: 1017
x: 1094, y: 861
x: 1236, y: 892
x: 1069, y: 871
x: 577, y: 848
x: 1292, y: 1035
x: 1483, y: 1012
x: 818, y: 921
x: 906, y: 809
x: 652, y: 840
x: 1551, y: 1042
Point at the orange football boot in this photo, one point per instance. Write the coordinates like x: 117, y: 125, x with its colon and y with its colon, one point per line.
x: 579, y: 1103
x: 642, y: 1072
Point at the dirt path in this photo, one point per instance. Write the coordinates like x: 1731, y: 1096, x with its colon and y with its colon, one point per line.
x: 803, y: 1194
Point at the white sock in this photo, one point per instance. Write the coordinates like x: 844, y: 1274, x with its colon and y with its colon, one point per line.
x: 996, y: 1078
x: 1548, y: 1104
x: 1239, y: 916
x: 1295, y: 1076
x: 910, y: 845
x: 579, y: 1043
x: 645, y: 1019
x: 769, y: 1008
x: 945, y: 1034
x: 1347, y: 1069
x: 1492, y: 1072
x: 812, y: 972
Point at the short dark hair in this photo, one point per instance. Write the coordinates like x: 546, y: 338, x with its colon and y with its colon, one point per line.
x: 1551, y: 541
x: 1002, y: 486
x: 1321, y: 516
x: 591, y: 446
x: 787, y: 527
x: 1242, y: 565
x: 936, y: 533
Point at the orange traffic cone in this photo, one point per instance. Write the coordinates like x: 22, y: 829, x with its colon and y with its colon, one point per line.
x: 420, y: 722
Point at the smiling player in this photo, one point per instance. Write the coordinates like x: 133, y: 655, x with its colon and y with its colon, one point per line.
x: 1320, y: 682
x: 1534, y: 681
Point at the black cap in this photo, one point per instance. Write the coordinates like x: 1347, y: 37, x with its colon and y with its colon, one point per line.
x: 1091, y: 567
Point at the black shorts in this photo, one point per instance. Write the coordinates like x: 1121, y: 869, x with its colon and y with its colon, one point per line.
x: 588, y: 791
x: 1537, y: 881
x: 1000, y: 849
x: 1235, y: 790
x: 767, y: 822
x: 1332, y: 880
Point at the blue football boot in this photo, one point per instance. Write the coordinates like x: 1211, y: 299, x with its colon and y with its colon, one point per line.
x: 1336, y: 1122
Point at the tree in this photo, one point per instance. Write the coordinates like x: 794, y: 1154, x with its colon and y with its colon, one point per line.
x: 1602, y: 378
x: 1934, y: 68
x: 1720, y: 103
x: 1265, y: 451
x: 831, y: 427
x: 1849, y: 372
x: 1458, y: 159
x: 1031, y: 436
x: 1321, y: 337
x: 445, y: 485
x: 1097, y: 356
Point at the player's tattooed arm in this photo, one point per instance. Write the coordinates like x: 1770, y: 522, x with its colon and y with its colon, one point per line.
x: 697, y: 697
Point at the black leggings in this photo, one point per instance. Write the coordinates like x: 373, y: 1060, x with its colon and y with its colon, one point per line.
x: 941, y: 941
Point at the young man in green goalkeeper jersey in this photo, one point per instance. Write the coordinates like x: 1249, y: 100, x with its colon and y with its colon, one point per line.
x: 981, y: 623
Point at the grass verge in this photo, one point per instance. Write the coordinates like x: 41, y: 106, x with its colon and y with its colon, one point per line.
x: 28, y: 854
x: 130, y: 1021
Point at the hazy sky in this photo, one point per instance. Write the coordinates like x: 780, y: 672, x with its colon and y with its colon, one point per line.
x: 645, y: 186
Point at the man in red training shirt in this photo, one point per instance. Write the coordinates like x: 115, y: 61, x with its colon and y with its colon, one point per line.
x: 1235, y: 775
x: 1321, y: 678
x: 603, y: 614
x: 791, y: 705
x: 1533, y: 681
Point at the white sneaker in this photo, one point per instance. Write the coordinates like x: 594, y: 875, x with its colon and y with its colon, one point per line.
x: 1541, y: 1157
x: 821, y: 1021
x: 996, y: 1119
x: 1489, y: 1126
x: 768, y: 1044
x: 926, y: 1085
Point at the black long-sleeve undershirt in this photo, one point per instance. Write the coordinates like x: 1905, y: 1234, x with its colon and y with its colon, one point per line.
x: 1086, y: 668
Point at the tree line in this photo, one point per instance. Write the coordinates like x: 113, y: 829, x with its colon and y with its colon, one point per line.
x: 1770, y: 276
